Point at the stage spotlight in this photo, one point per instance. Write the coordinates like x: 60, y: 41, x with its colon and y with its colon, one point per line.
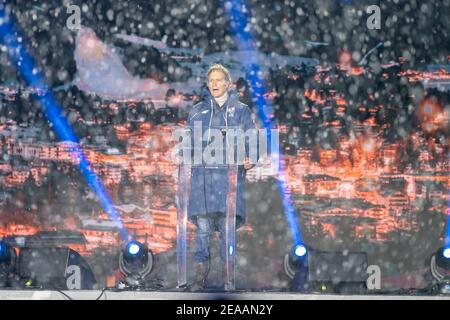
x: 446, y: 253
x: 442, y: 258
x: 440, y: 269
x: 7, y: 263
x: 320, y: 271
x: 133, y: 248
x: 300, y: 250
x: 7, y: 254
x: 296, y: 267
x: 294, y: 259
x: 135, y: 262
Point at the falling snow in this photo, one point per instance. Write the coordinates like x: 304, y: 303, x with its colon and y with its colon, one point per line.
x: 363, y: 117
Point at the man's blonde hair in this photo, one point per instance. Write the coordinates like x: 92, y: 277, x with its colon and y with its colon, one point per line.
x: 219, y: 67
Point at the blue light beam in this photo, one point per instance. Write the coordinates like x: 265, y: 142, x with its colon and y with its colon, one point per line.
x: 240, y: 18
x: 447, y: 230
x: 29, y: 71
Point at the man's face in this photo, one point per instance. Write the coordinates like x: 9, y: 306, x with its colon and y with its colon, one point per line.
x: 217, y: 84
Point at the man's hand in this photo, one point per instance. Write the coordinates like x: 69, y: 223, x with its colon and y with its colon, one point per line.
x: 247, y: 164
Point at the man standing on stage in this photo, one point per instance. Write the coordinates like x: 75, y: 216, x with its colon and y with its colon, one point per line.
x: 219, y: 109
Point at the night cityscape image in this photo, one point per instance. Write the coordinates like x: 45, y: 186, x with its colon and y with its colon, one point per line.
x: 346, y: 192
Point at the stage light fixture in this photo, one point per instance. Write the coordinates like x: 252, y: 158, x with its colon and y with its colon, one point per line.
x: 446, y: 253
x: 135, y: 262
x: 7, y: 263
x: 294, y: 259
x: 133, y: 248
x: 296, y: 267
x: 440, y: 269
x: 7, y: 253
x: 300, y: 250
x: 312, y: 270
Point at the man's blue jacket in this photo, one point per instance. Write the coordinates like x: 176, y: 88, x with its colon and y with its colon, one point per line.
x: 209, y: 184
